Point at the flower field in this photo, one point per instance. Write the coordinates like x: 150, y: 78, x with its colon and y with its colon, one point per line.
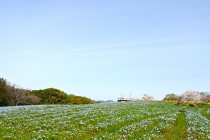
x: 111, y: 121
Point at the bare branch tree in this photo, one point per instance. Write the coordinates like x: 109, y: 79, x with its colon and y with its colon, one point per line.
x: 16, y: 95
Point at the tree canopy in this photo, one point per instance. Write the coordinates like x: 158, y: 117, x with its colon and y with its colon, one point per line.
x: 172, y: 97
x: 2, y: 92
x: 15, y: 95
x: 189, y: 95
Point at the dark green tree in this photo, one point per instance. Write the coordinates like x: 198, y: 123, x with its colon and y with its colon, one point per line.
x: 72, y: 99
x: 3, y: 92
x: 172, y: 97
x: 51, y: 96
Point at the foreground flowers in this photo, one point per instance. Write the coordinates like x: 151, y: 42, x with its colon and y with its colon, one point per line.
x: 115, y: 121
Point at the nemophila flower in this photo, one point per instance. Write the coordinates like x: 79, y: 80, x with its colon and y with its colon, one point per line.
x: 110, y: 121
x: 198, y: 125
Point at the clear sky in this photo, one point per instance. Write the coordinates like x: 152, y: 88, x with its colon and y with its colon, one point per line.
x: 105, y: 49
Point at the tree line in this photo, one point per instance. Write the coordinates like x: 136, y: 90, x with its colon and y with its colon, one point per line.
x: 11, y: 94
x: 189, y: 95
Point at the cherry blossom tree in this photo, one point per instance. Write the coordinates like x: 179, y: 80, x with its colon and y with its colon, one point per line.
x: 147, y: 97
x: 191, y: 95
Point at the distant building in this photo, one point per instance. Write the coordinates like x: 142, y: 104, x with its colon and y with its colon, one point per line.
x: 123, y: 99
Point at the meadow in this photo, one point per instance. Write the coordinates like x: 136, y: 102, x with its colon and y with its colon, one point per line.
x: 111, y: 121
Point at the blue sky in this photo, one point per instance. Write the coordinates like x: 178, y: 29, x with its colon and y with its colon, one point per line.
x: 105, y: 49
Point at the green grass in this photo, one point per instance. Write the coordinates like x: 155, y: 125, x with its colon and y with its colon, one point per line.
x: 179, y: 129
x: 205, y: 112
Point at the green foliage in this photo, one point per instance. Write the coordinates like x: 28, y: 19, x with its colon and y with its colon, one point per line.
x: 3, y: 92
x: 203, y: 105
x: 179, y: 129
x: 79, y: 100
x: 172, y: 97
x: 51, y: 96
x: 56, y: 96
x: 14, y: 95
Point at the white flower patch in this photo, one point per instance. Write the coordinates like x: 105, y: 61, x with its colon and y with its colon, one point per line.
x: 117, y: 121
x: 198, y: 125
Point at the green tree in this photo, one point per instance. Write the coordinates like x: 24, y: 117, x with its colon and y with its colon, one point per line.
x: 15, y: 95
x: 72, y: 99
x: 51, y: 96
x: 172, y: 97
x: 3, y: 92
